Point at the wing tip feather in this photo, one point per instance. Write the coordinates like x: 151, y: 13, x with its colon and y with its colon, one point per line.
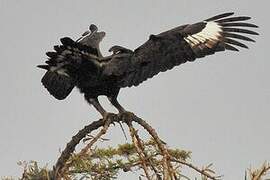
x: 226, y: 29
x: 219, y: 16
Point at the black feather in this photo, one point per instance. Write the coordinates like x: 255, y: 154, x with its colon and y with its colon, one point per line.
x: 219, y: 47
x: 240, y: 31
x: 233, y: 19
x: 58, y: 85
x: 234, y: 42
x: 46, y: 67
x: 220, y: 16
x: 51, y: 54
x: 241, y: 24
x: 51, y: 62
x: 194, y: 28
x: 154, y: 37
x: 58, y: 48
x: 229, y: 47
x: 66, y: 41
x: 237, y: 36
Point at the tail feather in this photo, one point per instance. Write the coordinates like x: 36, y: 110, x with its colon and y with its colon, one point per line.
x: 58, y: 85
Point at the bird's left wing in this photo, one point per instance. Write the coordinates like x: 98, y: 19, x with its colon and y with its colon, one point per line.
x: 179, y: 45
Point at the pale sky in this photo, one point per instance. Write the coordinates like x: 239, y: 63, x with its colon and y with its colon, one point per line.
x: 217, y: 107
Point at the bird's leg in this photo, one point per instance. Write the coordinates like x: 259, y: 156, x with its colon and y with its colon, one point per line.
x: 115, y: 103
x: 121, y: 110
x: 97, y: 105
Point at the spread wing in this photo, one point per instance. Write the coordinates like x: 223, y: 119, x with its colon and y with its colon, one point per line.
x: 179, y: 45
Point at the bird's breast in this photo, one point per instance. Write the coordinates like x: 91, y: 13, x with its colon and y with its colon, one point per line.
x: 97, y: 87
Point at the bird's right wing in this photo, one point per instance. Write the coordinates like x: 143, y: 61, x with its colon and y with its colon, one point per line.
x: 179, y: 45
x: 218, y: 33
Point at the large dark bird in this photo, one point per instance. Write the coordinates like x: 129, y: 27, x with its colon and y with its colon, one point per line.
x: 80, y: 63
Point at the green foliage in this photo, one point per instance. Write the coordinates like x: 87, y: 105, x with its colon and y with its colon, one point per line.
x: 31, y: 171
x: 104, y: 163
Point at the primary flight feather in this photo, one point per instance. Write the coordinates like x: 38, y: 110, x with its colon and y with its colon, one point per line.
x: 81, y: 64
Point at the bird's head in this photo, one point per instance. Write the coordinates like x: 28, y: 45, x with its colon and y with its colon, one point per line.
x: 92, y: 37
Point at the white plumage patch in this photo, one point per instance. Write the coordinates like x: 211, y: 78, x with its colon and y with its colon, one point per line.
x: 208, y: 36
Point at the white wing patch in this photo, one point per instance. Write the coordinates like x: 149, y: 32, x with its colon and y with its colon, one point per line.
x: 218, y: 33
x: 208, y: 36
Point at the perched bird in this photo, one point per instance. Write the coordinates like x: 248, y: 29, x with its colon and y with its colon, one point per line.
x: 80, y: 63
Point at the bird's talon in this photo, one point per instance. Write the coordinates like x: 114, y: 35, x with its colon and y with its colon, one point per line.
x: 126, y: 115
x: 109, y: 117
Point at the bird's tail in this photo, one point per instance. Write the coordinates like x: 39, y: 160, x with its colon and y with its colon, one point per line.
x: 62, y: 65
x: 58, y: 85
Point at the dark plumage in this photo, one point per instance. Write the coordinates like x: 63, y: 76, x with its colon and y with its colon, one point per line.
x: 81, y: 64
